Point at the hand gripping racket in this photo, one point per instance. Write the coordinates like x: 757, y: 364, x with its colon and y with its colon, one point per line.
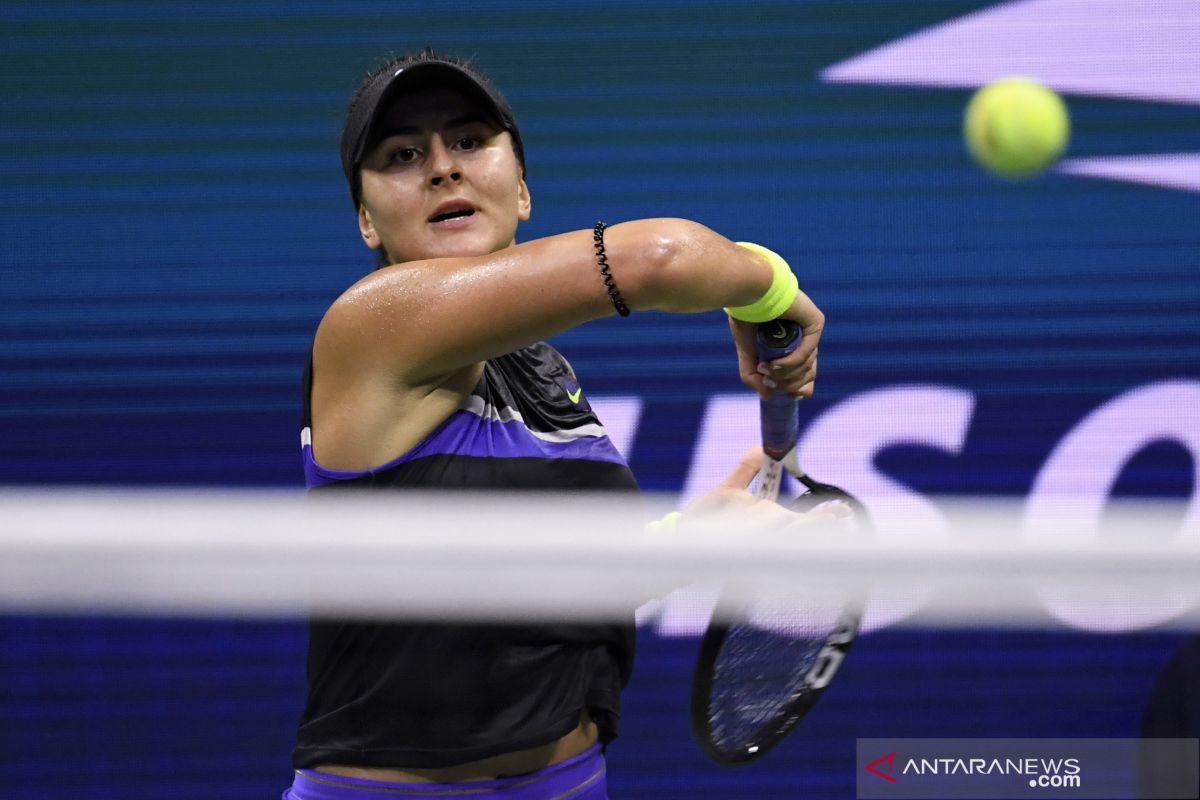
x: 764, y: 662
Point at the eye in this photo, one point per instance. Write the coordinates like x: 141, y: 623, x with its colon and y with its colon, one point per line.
x: 404, y: 155
x: 468, y: 143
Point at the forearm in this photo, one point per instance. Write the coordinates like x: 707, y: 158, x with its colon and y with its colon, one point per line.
x: 681, y: 266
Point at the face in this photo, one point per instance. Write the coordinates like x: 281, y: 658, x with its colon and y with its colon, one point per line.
x: 442, y: 181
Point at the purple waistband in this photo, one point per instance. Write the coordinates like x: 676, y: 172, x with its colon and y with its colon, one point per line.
x: 578, y: 778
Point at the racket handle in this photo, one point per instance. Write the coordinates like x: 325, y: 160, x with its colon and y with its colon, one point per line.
x: 778, y: 413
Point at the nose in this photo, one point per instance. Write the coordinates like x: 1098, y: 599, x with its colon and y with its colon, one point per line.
x: 443, y: 165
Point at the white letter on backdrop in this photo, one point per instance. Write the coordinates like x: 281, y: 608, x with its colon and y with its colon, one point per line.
x: 1071, y: 491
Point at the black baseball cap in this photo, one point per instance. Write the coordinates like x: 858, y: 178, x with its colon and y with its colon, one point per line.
x: 419, y: 71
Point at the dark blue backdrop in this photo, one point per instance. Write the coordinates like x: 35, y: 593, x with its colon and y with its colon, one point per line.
x: 174, y: 223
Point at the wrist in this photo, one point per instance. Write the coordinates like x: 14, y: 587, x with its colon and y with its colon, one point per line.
x: 780, y: 295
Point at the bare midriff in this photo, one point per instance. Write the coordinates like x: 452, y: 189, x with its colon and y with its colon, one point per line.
x: 519, y: 762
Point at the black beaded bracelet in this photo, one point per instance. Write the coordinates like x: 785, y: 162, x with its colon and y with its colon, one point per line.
x: 614, y: 293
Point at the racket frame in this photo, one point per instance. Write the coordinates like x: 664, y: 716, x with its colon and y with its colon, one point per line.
x: 780, y: 425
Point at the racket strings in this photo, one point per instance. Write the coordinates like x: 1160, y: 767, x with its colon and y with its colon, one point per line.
x: 764, y: 672
x: 764, y: 664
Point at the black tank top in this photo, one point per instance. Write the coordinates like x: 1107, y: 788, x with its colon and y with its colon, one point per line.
x: 435, y: 695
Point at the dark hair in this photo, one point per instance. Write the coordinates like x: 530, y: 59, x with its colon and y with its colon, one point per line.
x: 382, y: 259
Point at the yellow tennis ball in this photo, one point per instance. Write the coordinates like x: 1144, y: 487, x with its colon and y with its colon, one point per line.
x: 1016, y: 127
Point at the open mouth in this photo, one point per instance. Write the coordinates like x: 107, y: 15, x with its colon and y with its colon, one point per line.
x: 452, y: 214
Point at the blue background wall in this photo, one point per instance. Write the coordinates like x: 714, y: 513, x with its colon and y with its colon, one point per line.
x: 174, y: 222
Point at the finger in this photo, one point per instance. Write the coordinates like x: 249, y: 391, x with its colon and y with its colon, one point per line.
x: 837, y: 507
x: 808, y: 346
x: 795, y: 359
x: 760, y: 384
x: 790, y: 376
x: 794, y: 384
x: 804, y: 392
x: 805, y: 379
x: 746, y: 469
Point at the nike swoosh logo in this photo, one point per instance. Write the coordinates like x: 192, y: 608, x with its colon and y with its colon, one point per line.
x: 575, y: 395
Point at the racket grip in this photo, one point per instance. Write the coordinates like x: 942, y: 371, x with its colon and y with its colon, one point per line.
x: 779, y: 412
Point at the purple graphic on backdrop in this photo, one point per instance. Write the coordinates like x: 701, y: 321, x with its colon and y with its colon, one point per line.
x: 1101, y: 48
x: 1104, y: 48
x: 1170, y: 171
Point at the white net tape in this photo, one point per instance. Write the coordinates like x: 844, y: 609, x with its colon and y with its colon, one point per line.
x: 458, y: 556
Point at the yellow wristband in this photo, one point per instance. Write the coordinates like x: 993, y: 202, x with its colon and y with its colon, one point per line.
x: 778, y: 298
x: 668, y: 524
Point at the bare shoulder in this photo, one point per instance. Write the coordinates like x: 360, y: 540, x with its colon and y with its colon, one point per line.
x: 368, y: 315
x: 364, y: 412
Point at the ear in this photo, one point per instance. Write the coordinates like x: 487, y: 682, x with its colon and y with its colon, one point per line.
x: 524, y: 201
x: 367, y: 228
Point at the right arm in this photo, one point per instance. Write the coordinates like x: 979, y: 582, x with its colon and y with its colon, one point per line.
x: 421, y: 320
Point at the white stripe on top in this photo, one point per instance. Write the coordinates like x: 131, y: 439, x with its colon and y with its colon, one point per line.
x: 476, y: 405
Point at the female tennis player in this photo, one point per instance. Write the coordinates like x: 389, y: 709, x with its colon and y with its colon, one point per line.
x: 431, y: 372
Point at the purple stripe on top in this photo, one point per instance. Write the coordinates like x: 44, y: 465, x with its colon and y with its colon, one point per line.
x: 467, y: 434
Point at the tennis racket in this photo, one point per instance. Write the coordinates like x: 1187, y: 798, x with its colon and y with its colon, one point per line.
x: 764, y: 662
